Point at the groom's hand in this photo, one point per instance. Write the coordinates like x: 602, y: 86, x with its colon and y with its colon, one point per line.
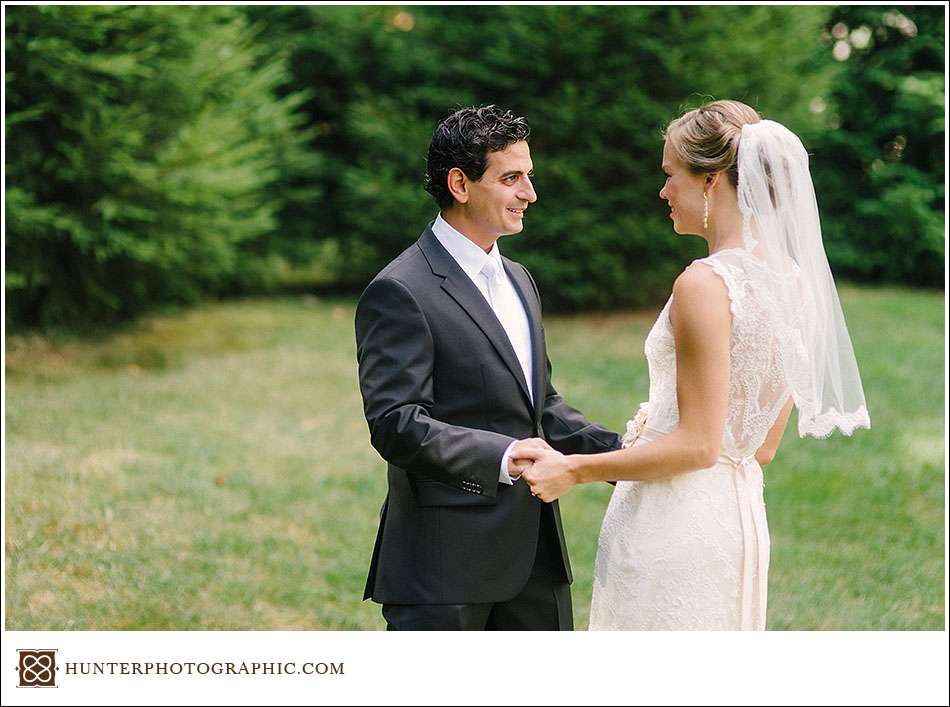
x: 521, y: 466
x: 521, y: 454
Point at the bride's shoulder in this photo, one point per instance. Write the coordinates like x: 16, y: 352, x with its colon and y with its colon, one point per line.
x: 699, y: 282
x: 700, y: 304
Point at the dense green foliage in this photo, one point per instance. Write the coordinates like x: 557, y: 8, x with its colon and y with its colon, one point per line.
x: 597, y: 85
x: 161, y: 153
x: 143, y: 146
x: 879, y: 168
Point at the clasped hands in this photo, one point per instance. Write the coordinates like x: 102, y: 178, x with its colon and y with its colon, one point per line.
x: 546, y: 471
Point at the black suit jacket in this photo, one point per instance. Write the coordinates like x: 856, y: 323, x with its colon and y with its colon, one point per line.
x: 444, y: 396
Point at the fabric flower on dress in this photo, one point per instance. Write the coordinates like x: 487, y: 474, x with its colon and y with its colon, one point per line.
x: 636, y: 425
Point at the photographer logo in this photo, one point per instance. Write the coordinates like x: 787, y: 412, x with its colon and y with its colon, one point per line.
x: 37, y: 668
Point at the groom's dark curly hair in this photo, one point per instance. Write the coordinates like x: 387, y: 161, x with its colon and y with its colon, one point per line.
x: 464, y: 140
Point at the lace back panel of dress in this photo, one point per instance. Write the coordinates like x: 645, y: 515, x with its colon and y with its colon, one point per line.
x: 757, y: 388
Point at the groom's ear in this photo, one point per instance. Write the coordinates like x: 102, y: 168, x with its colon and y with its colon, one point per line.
x: 457, y: 183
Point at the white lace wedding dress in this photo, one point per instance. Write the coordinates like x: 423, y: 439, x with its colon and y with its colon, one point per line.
x: 692, y: 551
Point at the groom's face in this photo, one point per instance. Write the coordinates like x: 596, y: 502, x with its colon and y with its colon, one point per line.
x: 497, y: 202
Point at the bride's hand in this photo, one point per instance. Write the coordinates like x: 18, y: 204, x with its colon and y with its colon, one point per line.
x: 551, y: 476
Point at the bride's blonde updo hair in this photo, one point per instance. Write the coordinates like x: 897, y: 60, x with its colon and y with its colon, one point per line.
x: 706, y: 139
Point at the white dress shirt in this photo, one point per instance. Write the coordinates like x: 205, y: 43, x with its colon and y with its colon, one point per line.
x: 503, y: 300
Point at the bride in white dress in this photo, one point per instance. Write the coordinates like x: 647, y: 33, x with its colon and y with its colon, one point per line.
x: 749, y: 331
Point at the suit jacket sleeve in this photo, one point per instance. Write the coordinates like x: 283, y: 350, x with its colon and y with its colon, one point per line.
x: 565, y: 428
x: 395, y: 353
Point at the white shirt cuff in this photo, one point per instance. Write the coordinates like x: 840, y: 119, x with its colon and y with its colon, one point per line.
x: 504, y: 477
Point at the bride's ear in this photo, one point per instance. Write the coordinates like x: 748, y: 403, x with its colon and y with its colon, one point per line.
x: 711, y: 181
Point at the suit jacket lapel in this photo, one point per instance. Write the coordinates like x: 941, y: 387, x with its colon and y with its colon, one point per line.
x: 459, y: 286
x: 533, y: 309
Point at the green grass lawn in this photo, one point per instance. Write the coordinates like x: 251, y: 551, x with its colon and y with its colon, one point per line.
x: 212, y: 470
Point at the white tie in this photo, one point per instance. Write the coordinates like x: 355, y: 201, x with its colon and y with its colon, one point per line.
x: 510, y: 312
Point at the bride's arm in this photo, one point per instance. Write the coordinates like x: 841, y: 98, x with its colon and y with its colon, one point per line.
x: 701, y: 323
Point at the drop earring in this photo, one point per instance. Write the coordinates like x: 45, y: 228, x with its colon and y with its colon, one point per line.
x: 705, y: 211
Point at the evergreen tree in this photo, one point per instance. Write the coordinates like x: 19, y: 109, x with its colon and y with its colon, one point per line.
x: 142, y: 142
x: 597, y: 84
x: 879, y: 168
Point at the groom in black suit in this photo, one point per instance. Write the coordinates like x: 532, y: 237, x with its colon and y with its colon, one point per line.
x: 456, y: 384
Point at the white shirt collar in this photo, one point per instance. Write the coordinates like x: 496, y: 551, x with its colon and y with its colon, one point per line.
x: 469, y: 256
